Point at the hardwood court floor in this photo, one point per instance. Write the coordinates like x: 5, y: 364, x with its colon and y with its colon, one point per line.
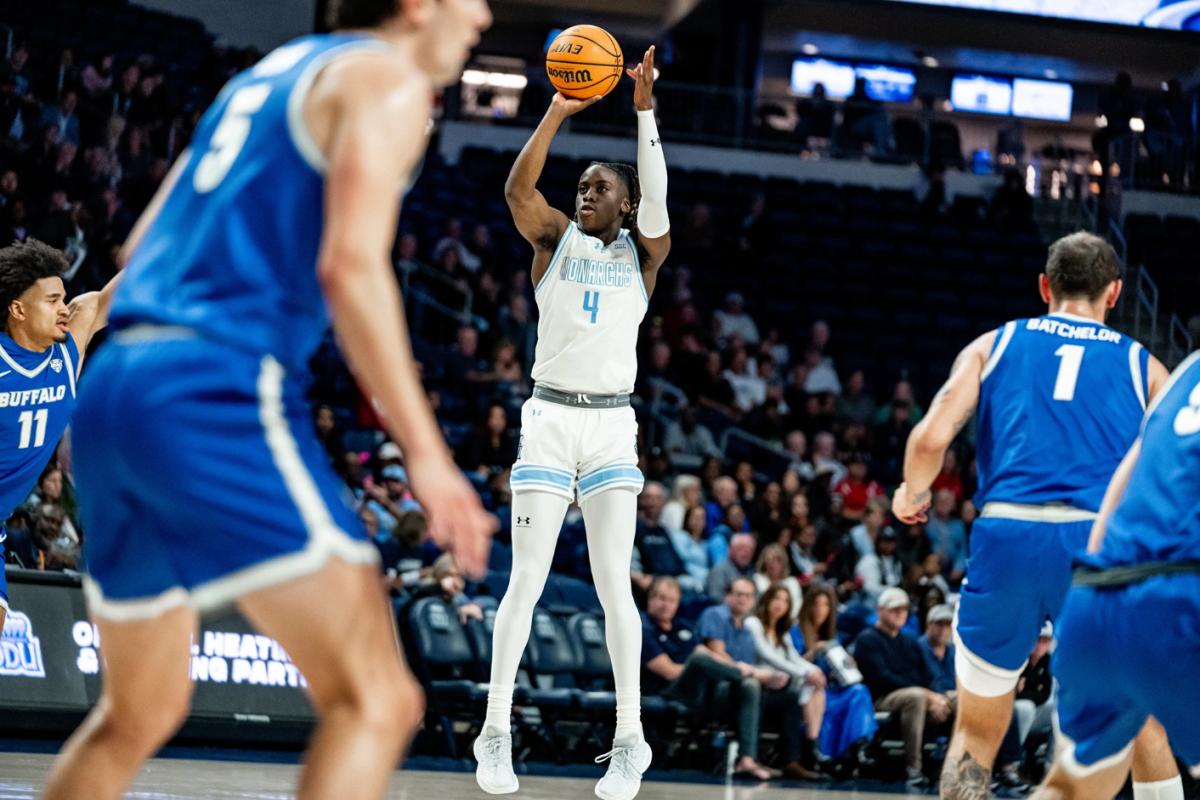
x: 22, y: 776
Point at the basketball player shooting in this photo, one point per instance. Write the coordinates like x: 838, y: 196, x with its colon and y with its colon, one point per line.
x: 202, y: 482
x: 1061, y: 400
x: 593, y: 276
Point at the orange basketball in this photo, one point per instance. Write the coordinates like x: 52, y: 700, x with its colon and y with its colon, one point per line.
x: 584, y: 61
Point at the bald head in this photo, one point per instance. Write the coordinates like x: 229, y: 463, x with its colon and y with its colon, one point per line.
x: 725, y: 490
x: 741, y: 549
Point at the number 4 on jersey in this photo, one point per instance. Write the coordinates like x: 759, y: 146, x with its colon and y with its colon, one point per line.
x: 591, y: 302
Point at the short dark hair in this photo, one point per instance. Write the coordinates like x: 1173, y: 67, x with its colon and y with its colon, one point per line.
x: 1081, y: 265
x: 729, y: 586
x: 343, y: 14
x: 23, y: 264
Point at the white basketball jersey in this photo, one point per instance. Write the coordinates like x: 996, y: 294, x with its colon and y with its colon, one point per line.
x: 592, y: 301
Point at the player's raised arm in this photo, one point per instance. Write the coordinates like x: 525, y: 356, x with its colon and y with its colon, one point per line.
x: 371, y: 113
x: 950, y: 410
x: 541, y: 225
x: 654, y: 226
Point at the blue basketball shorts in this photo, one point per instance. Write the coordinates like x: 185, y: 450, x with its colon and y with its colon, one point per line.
x: 3, y: 578
x: 200, y: 476
x: 1018, y: 574
x: 1126, y: 653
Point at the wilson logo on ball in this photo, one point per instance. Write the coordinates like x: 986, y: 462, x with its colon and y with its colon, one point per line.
x: 571, y: 75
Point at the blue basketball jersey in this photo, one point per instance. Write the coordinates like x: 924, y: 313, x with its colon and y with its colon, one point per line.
x: 233, y: 252
x: 37, y: 396
x: 1061, y: 400
x: 1158, y: 518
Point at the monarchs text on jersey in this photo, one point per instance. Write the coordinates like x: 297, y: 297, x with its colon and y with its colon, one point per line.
x: 591, y: 301
x: 233, y: 252
x: 1060, y: 403
x: 37, y: 396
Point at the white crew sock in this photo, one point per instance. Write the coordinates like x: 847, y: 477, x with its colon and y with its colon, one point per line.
x: 1170, y: 789
x: 611, y: 521
x: 533, y: 552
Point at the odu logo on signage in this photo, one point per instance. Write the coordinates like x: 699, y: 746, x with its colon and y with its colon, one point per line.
x: 20, y: 650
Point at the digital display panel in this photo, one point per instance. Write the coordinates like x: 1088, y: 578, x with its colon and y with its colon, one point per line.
x: 887, y: 84
x: 836, y: 76
x: 1167, y: 14
x: 1042, y: 99
x: 981, y: 94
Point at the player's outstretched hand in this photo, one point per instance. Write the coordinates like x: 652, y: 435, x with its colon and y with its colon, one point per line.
x: 909, y: 509
x: 643, y: 76
x: 569, y: 105
x: 456, y: 516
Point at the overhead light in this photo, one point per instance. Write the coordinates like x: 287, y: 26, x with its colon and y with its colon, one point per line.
x: 656, y: 73
x: 499, y: 80
x: 1051, y: 74
x: 810, y: 49
x: 1101, y: 121
x: 1137, y: 125
x: 1165, y: 87
x: 947, y: 105
x: 931, y: 62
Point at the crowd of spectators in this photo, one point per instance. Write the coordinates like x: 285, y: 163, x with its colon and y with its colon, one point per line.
x: 757, y: 564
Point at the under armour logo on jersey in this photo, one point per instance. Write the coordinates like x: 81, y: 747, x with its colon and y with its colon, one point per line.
x: 56, y: 365
x: 522, y: 522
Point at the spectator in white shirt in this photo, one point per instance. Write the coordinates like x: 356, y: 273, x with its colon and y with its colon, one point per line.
x: 734, y: 320
x: 880, y: 569
x: 825, y: 457
x: 685, y: 494
x: 749, y: 390
x: 822, y: 377
x: 796, y: 445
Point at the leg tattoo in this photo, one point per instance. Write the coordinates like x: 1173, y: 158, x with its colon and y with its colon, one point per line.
x: 965, y: 779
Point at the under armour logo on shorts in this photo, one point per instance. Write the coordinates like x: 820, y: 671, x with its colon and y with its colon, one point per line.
x: 523, y: 522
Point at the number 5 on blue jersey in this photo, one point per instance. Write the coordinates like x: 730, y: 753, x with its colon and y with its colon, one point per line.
x: 591, y: 302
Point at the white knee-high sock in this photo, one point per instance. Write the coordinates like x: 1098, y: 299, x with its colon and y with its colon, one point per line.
x: 1170, y: 789
x: 537, y: 520
x: 611, y: 520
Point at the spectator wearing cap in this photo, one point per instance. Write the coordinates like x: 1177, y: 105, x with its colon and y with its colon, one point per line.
x: 899, y: 679
x: 390, y: 498
x: 388, y: 454
x: 734, y: 321
x: 856, y: 490
x: 880, y: 570
x: 739, y: 564
x: 938, y: 648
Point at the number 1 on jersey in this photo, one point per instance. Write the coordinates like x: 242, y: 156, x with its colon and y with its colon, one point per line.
x: 1068, y: 371
x: 591, y: 302
x: 27, y: 419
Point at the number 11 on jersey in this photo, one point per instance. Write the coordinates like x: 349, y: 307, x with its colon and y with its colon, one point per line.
x: 27, y: 419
